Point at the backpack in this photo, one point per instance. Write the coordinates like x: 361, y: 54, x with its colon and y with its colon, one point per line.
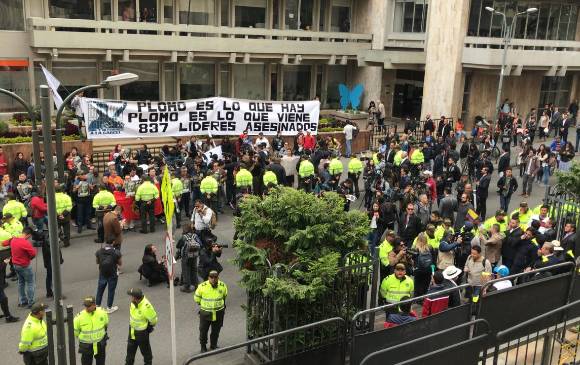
x: 108, y: 263
x: 424, y: 261
x: 192, y: 246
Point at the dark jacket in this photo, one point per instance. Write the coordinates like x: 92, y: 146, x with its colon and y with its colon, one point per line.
x: 482, y: 188
x: 454, y: 296
x: 526, y: 254
x: 510, y: 243
x: 279, y: 171
x: 503, y: 163
x: 408, y: 231
x: 513, y: 185
x: 208, y: 262
x: 153, y: 270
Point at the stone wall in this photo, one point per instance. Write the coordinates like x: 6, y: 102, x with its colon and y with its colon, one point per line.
x: 10, y: 150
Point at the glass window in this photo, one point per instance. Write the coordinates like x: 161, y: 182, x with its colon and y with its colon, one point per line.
x: 14, y: 78
x: 306, y: 14
x: 71, y: 9
x: 201, y: 12
x: 169, y: 73
x: 11, y: 15
x: 249, y: 82
x: 340, y: 16
x: 225, y: 13
x: 296, y: 83
x: 168, y: 11
x: 291, y: 14
x: 336, y: 76
x: 553, y: 17
x: 225, y: 79
x: 127, y: 10
x: 147, y: 87
x: 323, y: 11
x: 197, y: 80
x: 274, y: 82
x: 555, y: 90
x: 106, y: 9
x: 250, y: 13
x: 410, y: 16
x: 73, y: 75
x: 148, y: 11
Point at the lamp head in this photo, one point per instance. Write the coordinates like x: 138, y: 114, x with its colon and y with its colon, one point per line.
x: 489, y: 8
x: 120, y: 79
x: 531, y: 10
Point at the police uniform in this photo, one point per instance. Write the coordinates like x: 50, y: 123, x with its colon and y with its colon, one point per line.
x: 101, y: 201
x: 142, y: 320
x: 269, y: 178
x: 63, y: 209
x: 209, y: 189
x: 145, y: 196
x: 212, y: 307
x: 306, y: 173
x: 83, y: 200
x: 393, y: 289
x: 177, y: 189
x: 185, y: 195
x: 91, y: 330
x: 355, y: 168
x: 244, y: 180
x: 16, y: 208
x: 335, y: 168
x: 33, y: 339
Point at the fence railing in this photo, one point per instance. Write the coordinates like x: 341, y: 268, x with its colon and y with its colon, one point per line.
x: 564, y: 208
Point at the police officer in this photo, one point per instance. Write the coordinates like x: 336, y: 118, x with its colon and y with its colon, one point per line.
x: 209, y: 188
x: 355, y: 168
x: 396, y: 286
x: 335, y: 168
x: 244, y: 180
x: 306, y: 174
x: 104, y: 200
x: 177, y: 189
x: 90, y: 327
x: 83, y: 200
x: 270, y: 180
x: 63, y: 209
x: 145, y: 197
x: 143, y: 318
x: 211, y: 296
x: 12, y: 225
x: 33, y: 339
x: 14, y: 207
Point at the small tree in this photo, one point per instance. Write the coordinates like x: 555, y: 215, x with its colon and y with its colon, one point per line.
x: 303, y: 237
x: 570, y: 181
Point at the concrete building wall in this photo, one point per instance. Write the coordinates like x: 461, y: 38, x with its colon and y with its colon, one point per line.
x: 443, y: 85
x: 388, y: 90
x: 523, y: 90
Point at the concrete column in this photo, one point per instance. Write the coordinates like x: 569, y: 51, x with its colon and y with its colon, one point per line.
x: 575, y: 87
x: 374, y: 24
x: 370, y: 77
x: 443, y: 85
x: 388, y: 90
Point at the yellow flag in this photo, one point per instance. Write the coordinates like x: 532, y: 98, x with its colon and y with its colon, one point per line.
x: 167, y: 197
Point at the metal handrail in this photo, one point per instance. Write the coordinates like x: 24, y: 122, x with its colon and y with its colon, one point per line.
x: 264, y: 338
x: 436, y: 334
x: 502, y: 334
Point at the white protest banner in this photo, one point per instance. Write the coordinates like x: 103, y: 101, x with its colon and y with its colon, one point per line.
x: 214, y: 151
x: 212, y: 116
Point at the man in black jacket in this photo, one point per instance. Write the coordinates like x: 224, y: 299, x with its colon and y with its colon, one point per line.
x: 482, y: 187
x: 569, y: 241
x: 507, y: 185
x: 409, y: 225
x: 208, y: 260
x: 503, y: 163
x: 510, y: 243
x: 526, y: 252
x: 278, y: 169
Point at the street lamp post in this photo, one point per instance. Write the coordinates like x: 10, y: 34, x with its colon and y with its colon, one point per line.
x: 35, y: 142
x: 115, y: 80
x: 508, y: 35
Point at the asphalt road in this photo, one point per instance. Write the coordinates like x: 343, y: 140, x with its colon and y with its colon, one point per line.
x: 80, y: 274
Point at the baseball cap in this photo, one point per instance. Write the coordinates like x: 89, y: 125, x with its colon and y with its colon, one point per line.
x: 501, y: 270
x: 213, y: 274
x: 38, y: 307
x: 88, y: 301
x: 135, y: 292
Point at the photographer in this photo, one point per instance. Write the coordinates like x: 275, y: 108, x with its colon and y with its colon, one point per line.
x: 188, y: 248
x: 208, y: 260
x: 203, y: 219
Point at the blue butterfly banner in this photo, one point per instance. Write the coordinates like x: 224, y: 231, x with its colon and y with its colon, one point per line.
x: 350, y: 97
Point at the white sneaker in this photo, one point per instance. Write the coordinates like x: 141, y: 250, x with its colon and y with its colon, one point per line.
x: 112, y: 309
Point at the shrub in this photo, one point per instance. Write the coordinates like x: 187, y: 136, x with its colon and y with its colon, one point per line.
x: 4, y: 128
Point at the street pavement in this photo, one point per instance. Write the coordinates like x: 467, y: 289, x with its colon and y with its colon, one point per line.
x: 80, y: 273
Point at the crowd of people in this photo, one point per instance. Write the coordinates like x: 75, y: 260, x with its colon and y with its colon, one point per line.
x: 426, y: 201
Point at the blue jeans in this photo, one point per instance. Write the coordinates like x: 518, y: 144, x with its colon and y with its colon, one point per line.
x: 40, y: 222
x: 26, y: 286
x: 373, y: 237
x: 504, y: 202
x: 545, y: 174
x: 111, y: 283
x: 348, y: 147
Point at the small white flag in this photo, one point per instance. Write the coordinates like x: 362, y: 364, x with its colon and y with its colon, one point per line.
x: 53, y: 83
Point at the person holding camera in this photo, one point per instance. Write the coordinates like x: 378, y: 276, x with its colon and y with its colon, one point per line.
x: 208, y: 260
x: 204, y: 220
x: 188, y: 247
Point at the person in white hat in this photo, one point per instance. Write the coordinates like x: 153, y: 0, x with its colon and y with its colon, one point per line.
x: 450, y: 274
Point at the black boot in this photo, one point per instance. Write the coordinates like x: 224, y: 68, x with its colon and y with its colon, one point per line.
x: 203, y: 348
x: 6, y: 311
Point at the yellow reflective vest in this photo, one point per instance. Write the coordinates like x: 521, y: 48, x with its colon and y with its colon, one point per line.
x: 384, y: 249
x: 14, y: 227
x: 355, y: 166
x: 525, y: 217
x: 146, y: 192
x: 270, y: 178
x: 417, y: 157
x: 141, y: 316
x: 33, y: 336
x: 335, y: 167
x: 393, y: 289
x: 63, y: 203
x: 491, y: 221
x: 104, y: 198
x: 176, y: 187
x: 244, y: 178
x: 209, y: 185
x: 15, y: 208
x: 398, y: 158
x: 211, y: 299
x: 306, y: 169
x: 91, y: 328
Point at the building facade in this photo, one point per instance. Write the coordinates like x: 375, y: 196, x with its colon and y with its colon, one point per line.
x: 418, y: 56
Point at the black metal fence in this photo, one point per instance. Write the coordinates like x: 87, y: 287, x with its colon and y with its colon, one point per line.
x: 50, y: 327
x: 417, y: 132
x: 380, y: 133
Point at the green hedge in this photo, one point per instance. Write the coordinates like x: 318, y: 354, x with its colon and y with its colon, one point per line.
x: 328, y: 129
x: 13, y: 140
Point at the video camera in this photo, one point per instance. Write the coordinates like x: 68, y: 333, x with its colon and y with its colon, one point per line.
x: 39, y: 238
